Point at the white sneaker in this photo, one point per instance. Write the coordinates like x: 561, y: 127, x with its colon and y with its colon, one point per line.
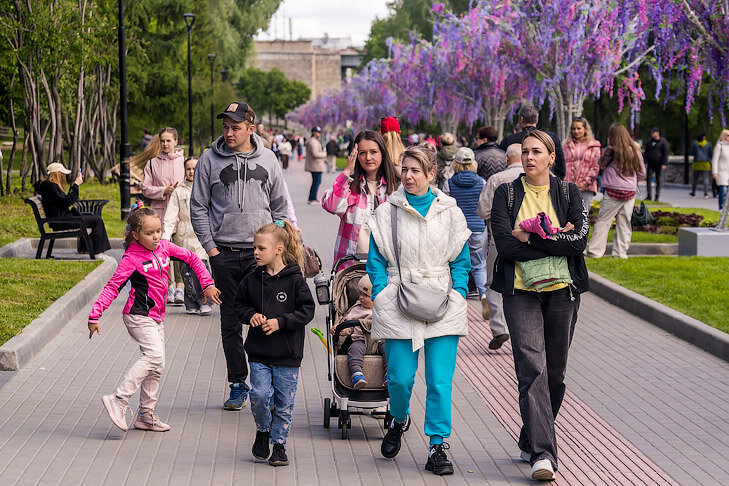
x: 206, y: 310
x: 542, y: 470
x: 179, y: 296
x: 170, y: 296
x: 192, y: 311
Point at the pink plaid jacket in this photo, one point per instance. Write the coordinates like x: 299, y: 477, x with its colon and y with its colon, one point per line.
x: 353, y: 210
x: 581, y: 160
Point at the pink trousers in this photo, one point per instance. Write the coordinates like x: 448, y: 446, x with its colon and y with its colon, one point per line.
x: 150, y: 336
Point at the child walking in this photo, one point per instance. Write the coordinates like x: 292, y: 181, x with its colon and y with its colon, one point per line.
x: 177, y: 227
x: 145, y: 265
x: 277, y: 303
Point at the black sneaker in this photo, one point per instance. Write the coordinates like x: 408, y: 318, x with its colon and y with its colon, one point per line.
x: 438, y: 460
x: 261, y: 449
x: 391, y: 442
x: 278, y: 457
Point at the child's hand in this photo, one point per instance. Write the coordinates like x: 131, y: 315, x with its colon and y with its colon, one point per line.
x: 258, y: 320
x: 333, y: 330
x: 94, y: 326
x: 270, y: 326
x: 213, y: 294
x: 568, y: 227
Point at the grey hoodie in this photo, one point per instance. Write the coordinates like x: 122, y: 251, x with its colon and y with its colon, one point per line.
x: 235, y: 193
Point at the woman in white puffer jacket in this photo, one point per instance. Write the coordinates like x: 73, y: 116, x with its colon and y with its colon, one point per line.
x: 432, y: 239
x: 720, y: 166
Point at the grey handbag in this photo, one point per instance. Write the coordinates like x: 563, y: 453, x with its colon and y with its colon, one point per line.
x: 416, y: 301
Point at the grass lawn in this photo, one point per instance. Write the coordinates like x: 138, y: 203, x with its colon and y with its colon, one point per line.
x: 695, y: 286
x: 28, y: 287
x: 17, y: 221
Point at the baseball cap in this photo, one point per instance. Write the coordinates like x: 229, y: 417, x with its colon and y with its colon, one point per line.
x: 238, y: 111
x: 316, y: 129
x: 57, y: 167
x: 464, y: 155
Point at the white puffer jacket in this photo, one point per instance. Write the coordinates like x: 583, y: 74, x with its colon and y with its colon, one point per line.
x: 720, y: 163
x: 427, y: 245
x: 177, y: 221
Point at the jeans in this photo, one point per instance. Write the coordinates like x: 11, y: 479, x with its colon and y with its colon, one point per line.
x: 704, y: 174
x: 229, y: 268
x: 194, y: 296
x: 149, y: 335
x: 541, y: 325
x: 650, y: 171
x: 440, y: 364
x: 277, y: 383
x: 478, y: 266
x: 722, y: 196
x: 315, y: 181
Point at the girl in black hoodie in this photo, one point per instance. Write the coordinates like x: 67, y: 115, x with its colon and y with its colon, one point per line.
x: 276, y: 302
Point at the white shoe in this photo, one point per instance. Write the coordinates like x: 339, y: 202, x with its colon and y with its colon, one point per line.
x: 117, y: 410
x: 192, y: 311
x: 170, y: 296
x: 179, y: 296
x: 542, y: 470
x: 206, y: 310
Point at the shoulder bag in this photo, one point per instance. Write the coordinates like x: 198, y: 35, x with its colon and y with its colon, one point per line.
x: 416, y: 301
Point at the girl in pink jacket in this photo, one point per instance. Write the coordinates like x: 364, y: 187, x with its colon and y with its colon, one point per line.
x: 145, y: 266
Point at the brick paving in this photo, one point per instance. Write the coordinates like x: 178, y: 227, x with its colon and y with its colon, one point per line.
x: 653, y: 405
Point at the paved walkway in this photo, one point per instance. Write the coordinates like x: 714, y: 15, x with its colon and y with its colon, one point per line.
x: 642, y: 408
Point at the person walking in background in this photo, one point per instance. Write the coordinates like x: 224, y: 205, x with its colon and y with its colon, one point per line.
x: 541, y: 323
x: 528, y: 119
x: 656, y: 161
x: 390, y: 130
x: 276, y: 302
x: 146, y: 138
x: 284, y: 152
x: 238, y: 187
x: 495, y: 316
x: 623, y: 168
x: 177, y: 228
x: 581, y: 156
x: 465, y: 187
x: 432, y: 241
x: 314, y: 163
x: 444, y: 156
x: 144, y: 265
x: 366, y: 181
x: 720, y: 166
x: 265, y: 136
x: 702, y: 153
x: 489, y: 157
x: 332, y: 152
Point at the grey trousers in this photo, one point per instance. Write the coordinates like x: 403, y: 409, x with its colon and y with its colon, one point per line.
x: 497, y: 321
x: 356, y: 353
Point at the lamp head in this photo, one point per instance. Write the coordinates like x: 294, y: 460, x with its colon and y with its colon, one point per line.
x: 189, y: 19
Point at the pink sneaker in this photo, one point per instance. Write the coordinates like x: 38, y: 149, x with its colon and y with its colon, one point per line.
x: 148, y: 420
x: 117, y: 409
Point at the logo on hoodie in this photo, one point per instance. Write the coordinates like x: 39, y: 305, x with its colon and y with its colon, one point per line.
x: 281, y: 296
x: 230, y: 174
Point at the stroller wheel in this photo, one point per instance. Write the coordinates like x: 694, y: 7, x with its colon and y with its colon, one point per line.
x: 345, y: 423
x: 327, y: 412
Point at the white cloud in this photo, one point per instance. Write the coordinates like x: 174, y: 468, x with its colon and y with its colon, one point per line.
x: 314, y: 18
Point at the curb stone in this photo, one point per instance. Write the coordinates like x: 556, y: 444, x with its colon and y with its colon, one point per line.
x: 20, y: 349
x: 699, y: 334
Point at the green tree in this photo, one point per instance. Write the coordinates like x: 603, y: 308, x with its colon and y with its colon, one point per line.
x: 271, y: 93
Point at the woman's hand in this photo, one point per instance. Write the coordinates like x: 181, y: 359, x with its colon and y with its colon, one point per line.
x: 79, y: 179
x: 568, y: 227
x: 169, y: 189
x: 715, y: 176
x: 351, y: 160
x: 212, y: 293
x: 521, y: 235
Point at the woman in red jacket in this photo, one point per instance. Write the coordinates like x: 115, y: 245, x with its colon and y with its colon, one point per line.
x: 581, y: 155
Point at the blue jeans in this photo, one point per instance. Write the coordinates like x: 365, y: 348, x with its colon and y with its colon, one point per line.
x: 440, y: 364
x: 478, y: 266
x: 722, y: 196
x: 541, y: 325
x: 314, y: 191
x: 277, y: 383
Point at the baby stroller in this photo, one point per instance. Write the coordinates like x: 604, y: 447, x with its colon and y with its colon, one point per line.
x: 346, y: 401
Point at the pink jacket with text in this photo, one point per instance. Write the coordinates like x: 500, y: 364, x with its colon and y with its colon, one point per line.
x: 147, y: 272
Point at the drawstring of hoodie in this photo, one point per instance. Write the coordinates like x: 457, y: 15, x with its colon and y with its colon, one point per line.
x: 241, y: 192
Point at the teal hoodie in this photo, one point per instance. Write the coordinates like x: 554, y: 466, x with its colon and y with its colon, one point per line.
x: 235, y: 193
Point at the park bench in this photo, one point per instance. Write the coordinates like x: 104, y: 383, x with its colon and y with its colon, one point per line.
x: 78, y: 229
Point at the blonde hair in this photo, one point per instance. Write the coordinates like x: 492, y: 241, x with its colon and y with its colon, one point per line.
x: 424, y: 153
x: 589, y: 136
x: 393, y: 143
x: 289, y: 238
x: 447, y: 138
x: 57, y: 178
x: 153, y: 150
x: 459, y: 166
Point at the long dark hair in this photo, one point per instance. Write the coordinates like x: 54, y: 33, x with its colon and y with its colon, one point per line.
x: 387, y: 168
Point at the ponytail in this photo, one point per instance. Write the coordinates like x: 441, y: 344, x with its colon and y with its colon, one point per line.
x: 285, y: 233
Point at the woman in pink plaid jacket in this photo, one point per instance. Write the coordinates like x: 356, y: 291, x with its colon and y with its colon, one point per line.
x: 367, y: 181
x: 581, y: 155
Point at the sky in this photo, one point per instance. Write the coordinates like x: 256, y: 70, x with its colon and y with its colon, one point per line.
x: 314, y: 18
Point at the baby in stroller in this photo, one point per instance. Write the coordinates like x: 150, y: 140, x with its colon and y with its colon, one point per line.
x: 362, y: 343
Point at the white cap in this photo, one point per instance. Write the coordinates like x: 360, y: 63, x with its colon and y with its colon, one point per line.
x: 57, y: 167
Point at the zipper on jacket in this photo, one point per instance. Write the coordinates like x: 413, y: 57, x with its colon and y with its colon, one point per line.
x: 159, y: 265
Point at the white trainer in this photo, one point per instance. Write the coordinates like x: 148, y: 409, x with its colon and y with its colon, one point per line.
x: 542, y: 470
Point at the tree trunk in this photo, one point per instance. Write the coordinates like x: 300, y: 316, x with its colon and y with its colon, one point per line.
x: 24, y: 165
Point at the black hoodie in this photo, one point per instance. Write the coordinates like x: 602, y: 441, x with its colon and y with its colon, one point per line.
x: 284, y: 296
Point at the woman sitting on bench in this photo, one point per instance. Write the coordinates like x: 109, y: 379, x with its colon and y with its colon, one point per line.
x: 58, y: 204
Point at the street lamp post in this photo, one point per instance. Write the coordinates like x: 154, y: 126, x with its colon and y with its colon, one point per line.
x: 211, y: 58
x: 189, y: 21
x: 124, y: 146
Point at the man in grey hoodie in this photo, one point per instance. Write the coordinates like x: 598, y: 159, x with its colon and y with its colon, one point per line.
x: 238, y: 187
